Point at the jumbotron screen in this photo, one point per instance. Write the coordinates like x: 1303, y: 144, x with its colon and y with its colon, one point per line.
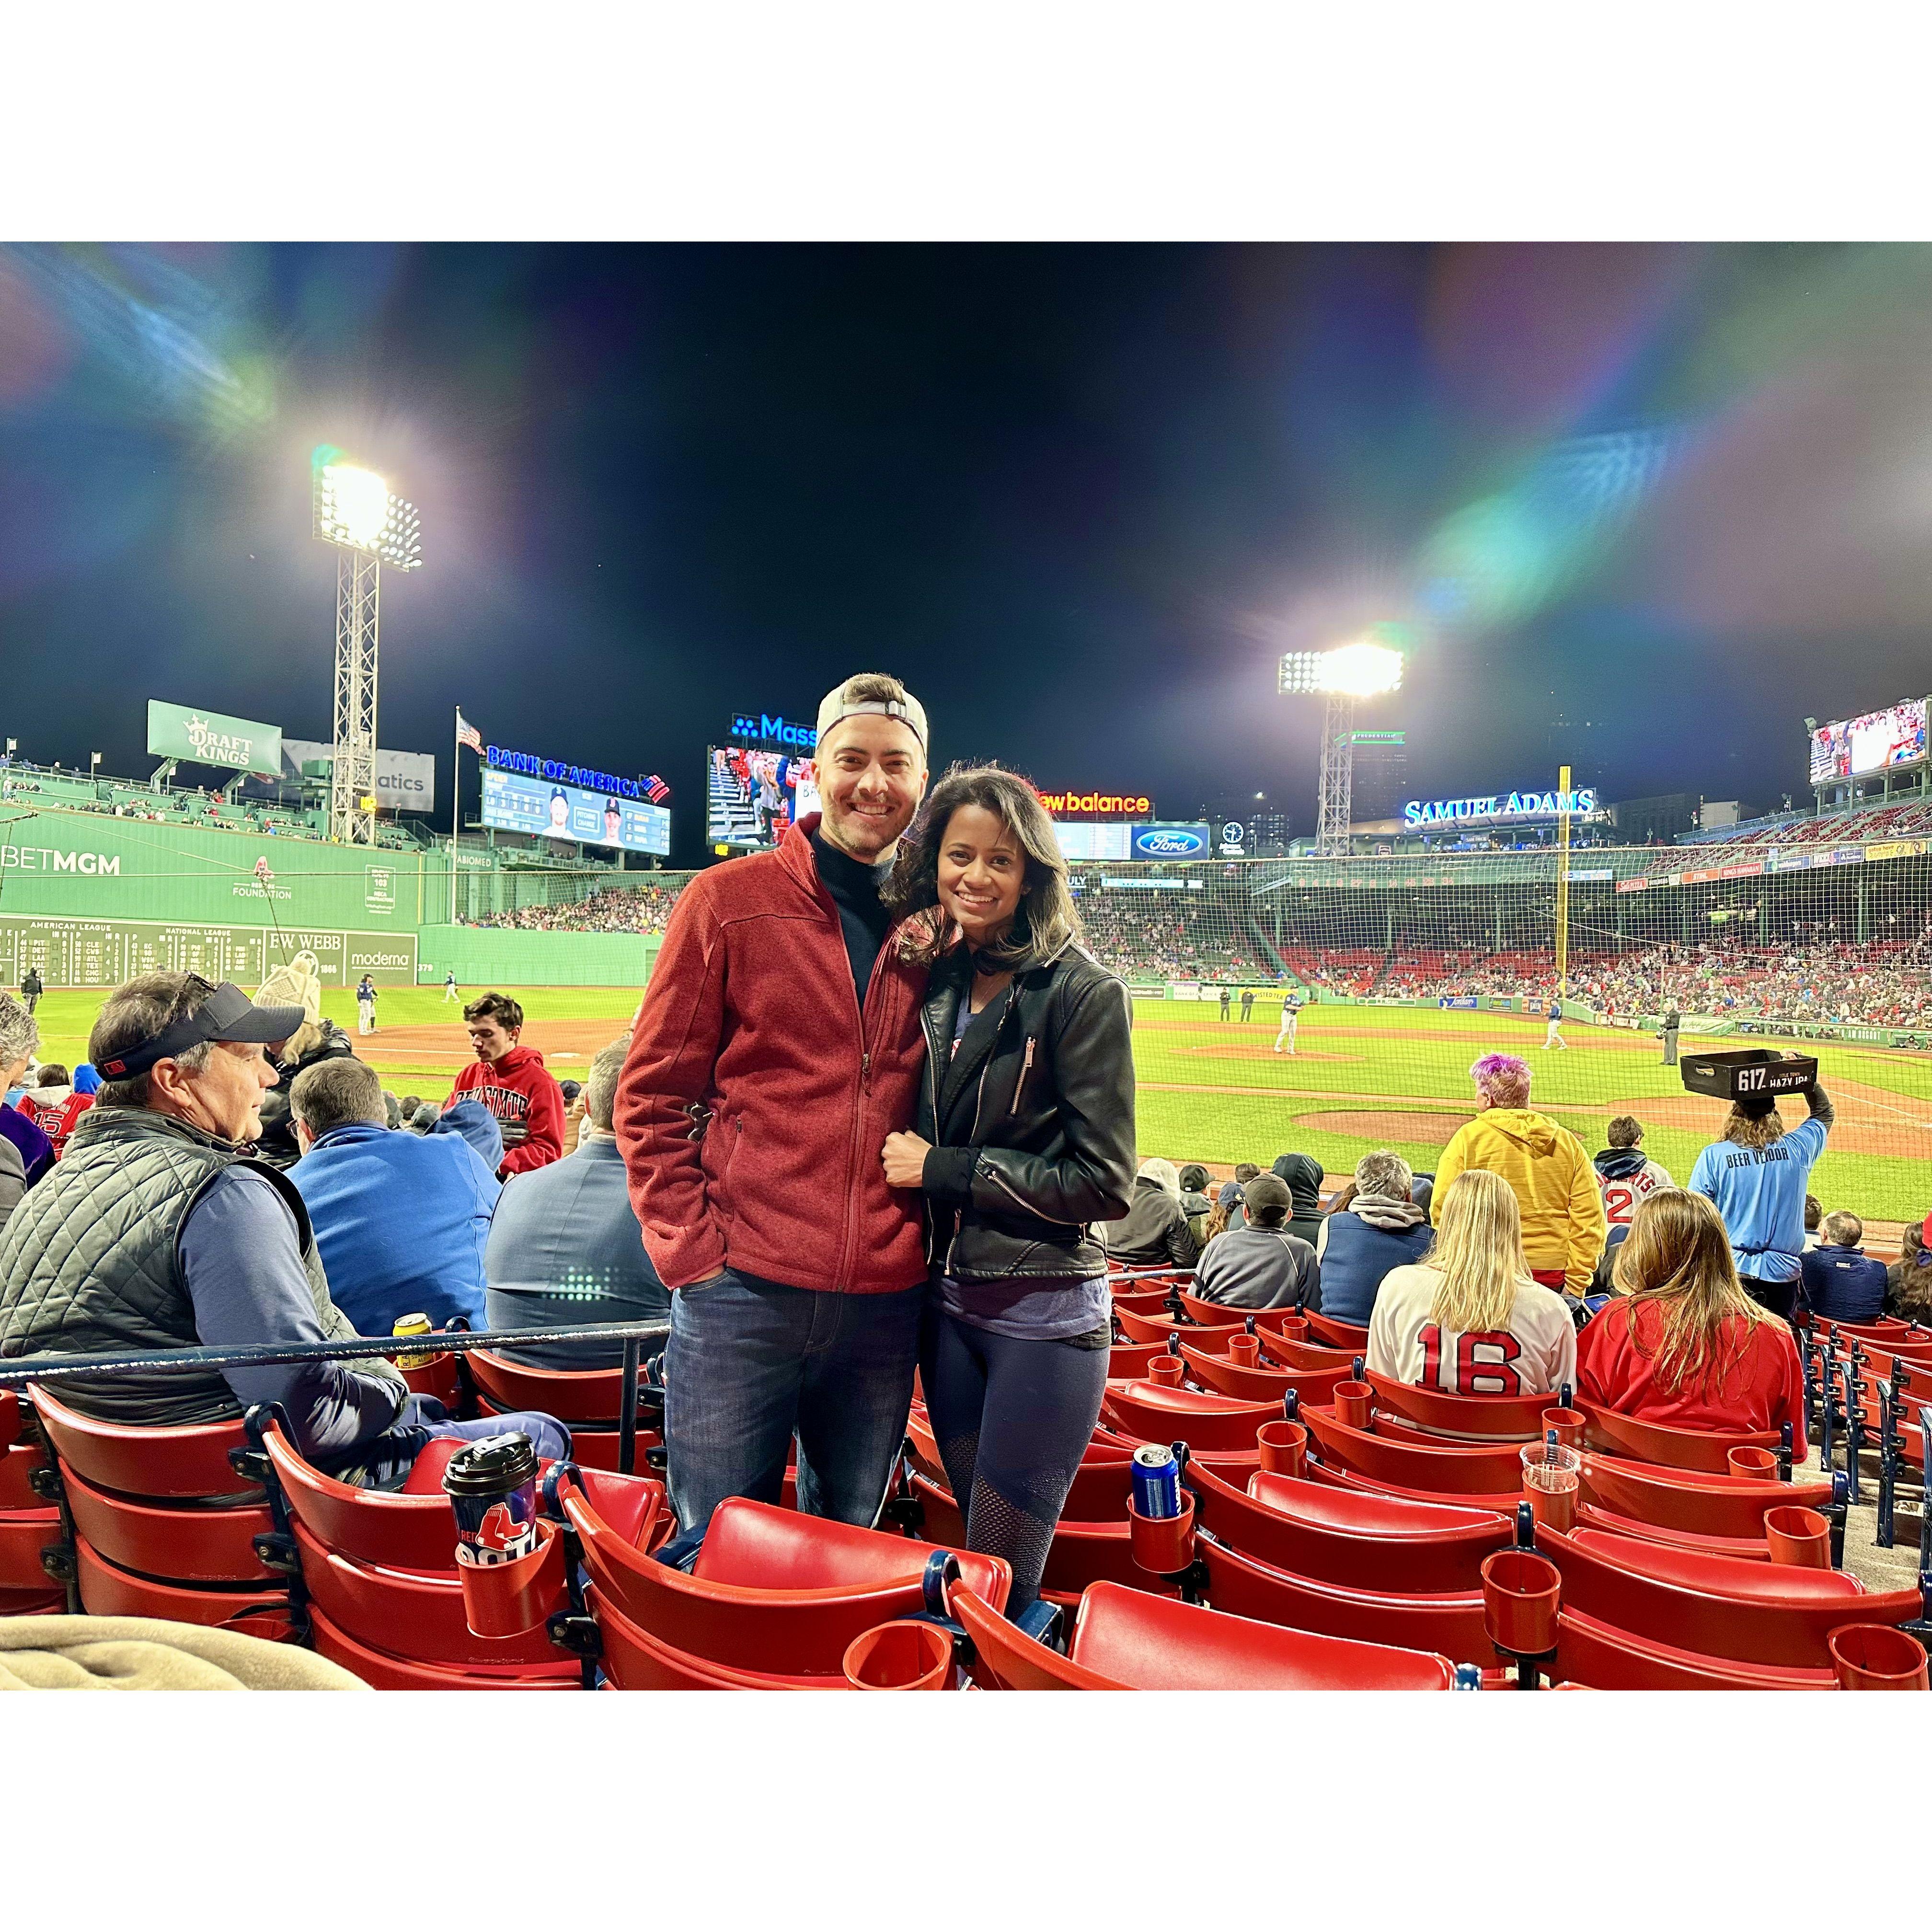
x: 752, y: 796
x: 1855, y: 747
x: 512, y: 803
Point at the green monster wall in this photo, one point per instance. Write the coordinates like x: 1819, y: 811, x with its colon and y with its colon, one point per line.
x: 92, y: 900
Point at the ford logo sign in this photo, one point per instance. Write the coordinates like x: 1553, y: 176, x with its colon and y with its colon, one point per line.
x: 1168, y: 844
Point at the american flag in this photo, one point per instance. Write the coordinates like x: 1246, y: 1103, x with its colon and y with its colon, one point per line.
x: 655, y: 790
x: 466, y: 734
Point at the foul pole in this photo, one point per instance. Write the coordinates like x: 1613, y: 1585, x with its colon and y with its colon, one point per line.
x: 1563, y: 883
x: 455, y: 805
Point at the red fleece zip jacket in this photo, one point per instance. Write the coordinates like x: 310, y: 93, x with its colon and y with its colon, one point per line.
x: 519, y: 1091
x: 751, y: 1017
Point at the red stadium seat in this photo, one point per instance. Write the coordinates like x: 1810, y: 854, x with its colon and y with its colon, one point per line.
x: 1345, y: 1335
x: 1707, y: 1450
x: 1262, y: 1383
x: 1151, y: 1412
x: 1417, y: 1464
x: 1348, y: 1536
x: 1210, y: 1314
x: 163, y: 1526
x: 29, y: 1523
x: 1493, y: 1418
x: 771, y: 1591
x: 1605, y: 1658
x: 1125, y: 1640
x: 1695, y: 1502
x: 634, y: 1659
x: 592, y: 1397
x: 1767, y: 1613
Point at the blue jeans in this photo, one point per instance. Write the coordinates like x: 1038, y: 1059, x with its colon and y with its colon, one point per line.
x: 751, y: 1364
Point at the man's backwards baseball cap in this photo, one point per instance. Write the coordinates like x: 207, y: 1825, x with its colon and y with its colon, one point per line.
x: 227, y: 1013
x: 837, y: 707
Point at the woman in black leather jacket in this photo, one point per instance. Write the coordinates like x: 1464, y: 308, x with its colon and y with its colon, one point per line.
x: 1025, y: 1140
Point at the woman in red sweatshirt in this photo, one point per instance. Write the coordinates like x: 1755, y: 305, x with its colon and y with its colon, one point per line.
x: 1682, y: 1344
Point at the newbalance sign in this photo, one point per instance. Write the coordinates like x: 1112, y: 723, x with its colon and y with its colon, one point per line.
x: 1170, y: 841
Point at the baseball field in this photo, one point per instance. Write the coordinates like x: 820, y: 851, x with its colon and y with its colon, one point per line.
x: 1215, y: 1091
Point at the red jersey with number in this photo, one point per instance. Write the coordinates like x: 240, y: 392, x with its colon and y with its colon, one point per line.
x: 1535, y: 1355
x: 54, y: 1110
x: 1761, y: 1384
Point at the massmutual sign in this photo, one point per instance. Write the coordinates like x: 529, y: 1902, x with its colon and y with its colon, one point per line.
x: 1417, y: 816
x: 765, y: 728
x: 208, y: 738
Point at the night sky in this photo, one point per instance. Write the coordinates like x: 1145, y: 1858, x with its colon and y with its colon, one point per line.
x: 1641, y: 509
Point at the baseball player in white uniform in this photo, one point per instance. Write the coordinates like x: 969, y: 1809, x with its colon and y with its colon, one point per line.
x: 1552, y: 1037
x: 1291, y: 1011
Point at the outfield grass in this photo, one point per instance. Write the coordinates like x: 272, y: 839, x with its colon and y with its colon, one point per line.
x: 1350, y: 1060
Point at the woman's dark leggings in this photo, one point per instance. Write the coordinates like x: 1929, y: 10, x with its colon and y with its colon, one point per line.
x: 1012, y: 1419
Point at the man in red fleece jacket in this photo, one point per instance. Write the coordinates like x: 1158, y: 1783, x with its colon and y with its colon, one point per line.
x: 513, y: 1085
x: 778, y: 1044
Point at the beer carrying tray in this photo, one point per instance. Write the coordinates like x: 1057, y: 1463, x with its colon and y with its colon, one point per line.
x: 1752, y: 1070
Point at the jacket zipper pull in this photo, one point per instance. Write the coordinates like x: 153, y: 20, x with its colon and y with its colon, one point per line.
x: 865, y: 1072
x: 1026, y: 1067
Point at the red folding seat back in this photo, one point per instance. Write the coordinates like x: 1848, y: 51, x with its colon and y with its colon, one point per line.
x: 634, y: 1659
x: 1449, y: 1621
x: 1350, y: 1536
x: 1408, y: 1461
x: 1771, y: 1613
x: 1007, y: 1659
x: 208, y: 1545
x: 383, y: 1672
x: 1694, y: 1500
x: 1707, y: 1449
x: 160, y: 1462
x: 414, y: 1529
x: 1592, y: 1652
x: 24, y: 1533
x: 1261, y: 1384
x: 412, y: 1615
x: 18, y: 1461
x: 1153, y: 1412
x: 1494, y: 1418
x: 11, y: 1421
x: 1159, y: 1643
x: 1210, y: 1314
x: 1138, y: 1325
x: 779, y: 1591
x: 107, y: 1590
x: 1336, y: 1334
x: 572, y: 1395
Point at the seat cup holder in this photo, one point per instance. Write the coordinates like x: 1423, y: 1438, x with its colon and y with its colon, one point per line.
x: 1551, y: 1473
x: 1876, y: 1656
x: 1759, y: 1465
x: 1245, y: 1352
x: 504, y: 1600
x: 1799, y: 1537
x: 1294, y: 1328
x: 1164, y: 1544
x: 1568, y: 1423
x: 1522, y: 1593
x: 1355, y: 1404
x: 1284, y: 1447
x: 1167, y: 1370
x: 906, y: 1655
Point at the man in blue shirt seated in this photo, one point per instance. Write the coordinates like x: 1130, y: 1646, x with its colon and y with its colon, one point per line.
x: 157, y: 1231
x: 401, y: 1219
x: 1380, y: 1229
x: 1842, y: 1282
x: 565, y: 1248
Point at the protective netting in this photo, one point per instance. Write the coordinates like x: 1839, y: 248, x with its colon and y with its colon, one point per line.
x: 1409, y: 968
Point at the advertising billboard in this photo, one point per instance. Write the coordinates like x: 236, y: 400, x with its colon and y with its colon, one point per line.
x: 1188, y: 840
x: 208, y: 738
x: 1880, y: 741
x: 513, y: 803
x: 752, y: 795
x: 1128, y: 805
x: 405, y: 781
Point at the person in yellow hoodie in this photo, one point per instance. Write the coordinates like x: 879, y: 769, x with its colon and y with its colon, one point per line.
x: 1546, y: 1168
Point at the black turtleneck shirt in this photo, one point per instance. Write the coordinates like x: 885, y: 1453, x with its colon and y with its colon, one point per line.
x: 854, y: 886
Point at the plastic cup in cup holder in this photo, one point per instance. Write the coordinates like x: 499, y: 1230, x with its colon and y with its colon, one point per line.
x: 1551, y: 1473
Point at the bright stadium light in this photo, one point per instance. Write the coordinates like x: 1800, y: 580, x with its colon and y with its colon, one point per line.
x: 1361, y: 669
x: 369, y: 525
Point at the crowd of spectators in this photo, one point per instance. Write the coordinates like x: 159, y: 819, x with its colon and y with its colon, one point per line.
x: 607, y: 909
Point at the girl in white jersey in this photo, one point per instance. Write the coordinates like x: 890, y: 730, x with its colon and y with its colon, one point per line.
x: 1469, y: 1320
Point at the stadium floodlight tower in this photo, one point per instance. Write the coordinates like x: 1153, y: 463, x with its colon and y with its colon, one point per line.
x: 369, y: 525
x: 1343, y: 675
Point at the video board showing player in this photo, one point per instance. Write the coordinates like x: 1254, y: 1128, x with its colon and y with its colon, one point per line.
x: 512, y: 803
x: 752, y: 797
x: 1855, y: 747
